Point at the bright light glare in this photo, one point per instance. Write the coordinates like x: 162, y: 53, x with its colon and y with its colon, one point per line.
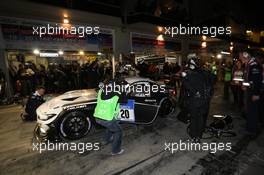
x: 36, y: 51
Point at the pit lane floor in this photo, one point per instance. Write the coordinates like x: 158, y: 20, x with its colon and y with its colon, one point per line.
x: 144, y: 150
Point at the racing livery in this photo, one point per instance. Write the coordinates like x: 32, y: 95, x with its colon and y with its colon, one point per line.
x: 70, y: 115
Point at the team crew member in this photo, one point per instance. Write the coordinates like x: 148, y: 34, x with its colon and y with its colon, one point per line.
x: 252, y: 86
x: 34, y: 101
x: 227, y: 80
x: 106, y: 112
x: 236, y: 84
x: 198, y: 85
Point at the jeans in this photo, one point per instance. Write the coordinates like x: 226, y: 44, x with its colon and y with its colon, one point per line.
x: 113, y: 130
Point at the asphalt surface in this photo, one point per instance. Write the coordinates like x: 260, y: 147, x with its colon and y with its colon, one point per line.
x: 144, y: 149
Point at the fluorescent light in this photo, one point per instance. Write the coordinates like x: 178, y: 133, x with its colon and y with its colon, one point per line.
x: 48, y: 54
x: 225, y: 53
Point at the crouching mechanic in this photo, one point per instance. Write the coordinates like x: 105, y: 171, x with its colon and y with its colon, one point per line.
x: 34, y: 101
x: 198, y: 85
x: 106, y: 112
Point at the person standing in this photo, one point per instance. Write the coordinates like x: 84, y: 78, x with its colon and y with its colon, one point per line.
x: 198, y: 87
x: 252, y: 86
x: 236, y: 84
x: 227, y: 80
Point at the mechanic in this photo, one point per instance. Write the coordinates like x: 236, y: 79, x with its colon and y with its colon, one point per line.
x: 106, y: 112
x: 252, y: 86
x: 198, y: 87
x: 34, y: 101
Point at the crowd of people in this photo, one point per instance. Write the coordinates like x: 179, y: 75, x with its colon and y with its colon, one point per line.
x: 57, y: 78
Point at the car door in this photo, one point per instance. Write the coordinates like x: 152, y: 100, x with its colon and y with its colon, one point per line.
x: 145, y: 105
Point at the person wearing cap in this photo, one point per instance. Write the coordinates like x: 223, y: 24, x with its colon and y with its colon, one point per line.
x: 251, y: 86
x: 197, y: 84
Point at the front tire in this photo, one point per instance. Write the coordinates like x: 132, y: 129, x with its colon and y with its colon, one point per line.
x: 75, y: 125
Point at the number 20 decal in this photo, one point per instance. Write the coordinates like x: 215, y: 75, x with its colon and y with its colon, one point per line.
x: 124, y: 113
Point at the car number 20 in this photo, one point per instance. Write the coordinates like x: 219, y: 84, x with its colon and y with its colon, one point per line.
x: 127, y: 111
x: 124, y: 113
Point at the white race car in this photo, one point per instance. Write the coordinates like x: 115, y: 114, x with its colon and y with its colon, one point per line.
x: 70, y: 115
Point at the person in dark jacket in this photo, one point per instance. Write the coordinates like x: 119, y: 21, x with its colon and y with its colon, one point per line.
x: 252, y: 88
x: 34, y: 101
x: 198, y: 87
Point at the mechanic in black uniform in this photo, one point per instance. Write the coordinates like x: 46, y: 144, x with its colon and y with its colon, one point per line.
x: 198, y: 87
x: 34, y: 101
x: 252, y: 87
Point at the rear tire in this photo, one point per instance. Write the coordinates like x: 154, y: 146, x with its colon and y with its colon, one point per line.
x: 167, y: 107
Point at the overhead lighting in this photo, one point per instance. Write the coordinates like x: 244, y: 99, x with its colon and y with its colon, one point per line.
x: 249, y: 32
x: 99, y: 53
x: 81, y: 52
x: 160, y: 29
x: 225, y: 53
x: 160, y: 38
x: 66, y: 21
x: 48, y: 54
x: 219, y: 56
x: 204, y: 44
x: 60, y: 52
x: 231, y: 48
x: 231, y: 43
x: 204, y: 37
x: 36, y: 51
x: 65, y: 15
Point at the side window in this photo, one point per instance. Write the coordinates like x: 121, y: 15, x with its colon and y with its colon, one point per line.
x: 140, y: 89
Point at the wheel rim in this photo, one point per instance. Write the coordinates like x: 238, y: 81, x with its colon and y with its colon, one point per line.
x: 75, y: 126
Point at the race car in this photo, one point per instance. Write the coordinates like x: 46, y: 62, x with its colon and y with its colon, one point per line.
x: 70, y: 115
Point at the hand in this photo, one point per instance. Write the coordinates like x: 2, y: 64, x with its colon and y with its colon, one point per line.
x: 255, y: 97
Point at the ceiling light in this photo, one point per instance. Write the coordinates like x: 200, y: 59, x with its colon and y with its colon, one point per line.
x: 204, y: 44
x: 60, y: 52
x: 81, y: 52
x: 66, y: 21
x: 219, y: 56
x: 36, y: 51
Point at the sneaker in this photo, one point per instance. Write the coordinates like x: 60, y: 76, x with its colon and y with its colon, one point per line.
x: 119, y: 153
